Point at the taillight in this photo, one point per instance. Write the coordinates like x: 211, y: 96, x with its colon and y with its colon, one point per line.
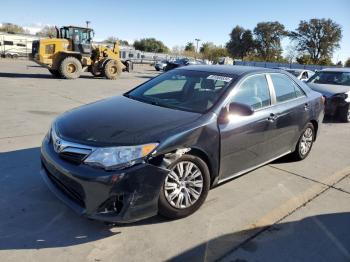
x: 323, y: 99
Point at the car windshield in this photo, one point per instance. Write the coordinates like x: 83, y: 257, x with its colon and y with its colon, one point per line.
x: 293, y: 72
x: 331, y: 78
x: 185, y: 90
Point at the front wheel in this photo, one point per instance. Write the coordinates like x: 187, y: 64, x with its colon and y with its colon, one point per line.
x: 112, y: 69
x: 185, y: 188
x: 305, y: 142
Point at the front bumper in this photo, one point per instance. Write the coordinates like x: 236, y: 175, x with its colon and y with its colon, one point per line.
x: 119, y: 196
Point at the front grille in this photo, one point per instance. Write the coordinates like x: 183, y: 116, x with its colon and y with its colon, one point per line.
x: 73, y: 194
x: 73, y: 157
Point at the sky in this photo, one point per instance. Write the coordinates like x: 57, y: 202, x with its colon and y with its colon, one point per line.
x: 177, y: 22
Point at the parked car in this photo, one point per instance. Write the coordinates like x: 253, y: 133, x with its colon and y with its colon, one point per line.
x: 160, y: 147
x: 181, y: 62
x: 160, y: 65
x: 301, y: 74
x: 334, y: 84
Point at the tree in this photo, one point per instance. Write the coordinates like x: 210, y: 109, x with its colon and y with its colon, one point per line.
x: 112, y: 40
x: 47, y: 31
x: 212, y: 52
x: 12, y: 28
x: 268, y: 37
x: 150, y: 45
x: 241, y: 42
x: 347, y: 63
x: 190, y: 47
x: 318, y: 38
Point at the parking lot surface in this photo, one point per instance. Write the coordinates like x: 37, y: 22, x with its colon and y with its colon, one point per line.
x: 284, y: 211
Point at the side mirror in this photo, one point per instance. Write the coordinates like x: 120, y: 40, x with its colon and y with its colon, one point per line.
x: 240, y: 109
x: 233, y: 110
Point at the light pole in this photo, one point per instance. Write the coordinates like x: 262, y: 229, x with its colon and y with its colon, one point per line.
x: 195, y: 53
x: 87, y: 23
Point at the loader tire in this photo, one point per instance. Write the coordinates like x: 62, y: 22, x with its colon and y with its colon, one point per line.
x: 112, y: 69
x: 70, y: 68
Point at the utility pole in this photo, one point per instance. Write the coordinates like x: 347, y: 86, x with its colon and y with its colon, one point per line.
x: 195, y: 53
x: 87, y: 23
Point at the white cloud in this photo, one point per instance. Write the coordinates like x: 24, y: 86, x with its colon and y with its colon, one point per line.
x: 34, y: 27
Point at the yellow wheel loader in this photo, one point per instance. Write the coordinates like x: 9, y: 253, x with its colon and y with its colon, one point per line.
x: 72, y: 52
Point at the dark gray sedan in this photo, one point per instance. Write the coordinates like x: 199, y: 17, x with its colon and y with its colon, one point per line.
x: 334, y: 85
x: 160, y: 147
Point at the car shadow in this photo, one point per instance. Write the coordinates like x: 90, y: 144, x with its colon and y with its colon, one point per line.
x: 323, y: 237
x: 42, y: 76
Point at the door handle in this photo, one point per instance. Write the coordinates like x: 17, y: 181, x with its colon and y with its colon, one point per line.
x: 306, y: 106
x: 272, y: 117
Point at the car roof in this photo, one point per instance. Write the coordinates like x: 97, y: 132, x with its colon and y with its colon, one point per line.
x: 338, y: 69
x: 228, y: 69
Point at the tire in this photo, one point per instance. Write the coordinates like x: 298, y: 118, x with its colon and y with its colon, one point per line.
x: 55, y: 73
x: 305, y: 142
x: 112, y: 69
x: 344, y: 114
x: 70, y: 68
x: 168, y: 208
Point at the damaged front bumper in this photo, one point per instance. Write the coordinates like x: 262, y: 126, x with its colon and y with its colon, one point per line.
x: 120, y: 196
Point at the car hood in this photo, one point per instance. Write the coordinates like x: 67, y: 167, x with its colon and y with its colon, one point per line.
x: 328, y: 90
x: 121, y: 121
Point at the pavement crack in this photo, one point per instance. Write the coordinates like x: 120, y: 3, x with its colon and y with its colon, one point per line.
x: 313, y: 180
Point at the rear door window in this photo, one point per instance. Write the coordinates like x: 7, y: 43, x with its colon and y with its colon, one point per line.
x: 285, y: 88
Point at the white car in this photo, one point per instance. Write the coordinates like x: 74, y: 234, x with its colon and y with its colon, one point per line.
x: 301, y: 74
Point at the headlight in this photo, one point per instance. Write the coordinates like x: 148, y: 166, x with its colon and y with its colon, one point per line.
x: 119, y: 157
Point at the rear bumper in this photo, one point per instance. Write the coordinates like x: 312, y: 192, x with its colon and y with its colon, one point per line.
x: 133, y: 192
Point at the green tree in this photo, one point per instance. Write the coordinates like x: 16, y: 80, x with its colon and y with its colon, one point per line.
x: 190, y: 47
x: 112, y: 40
x: 12, y: 28
x: 150, y: 45
x: 241, y: 42
x: 212, y: 52
x: 268, y: 36
x: 318, y: 38
x: 47, y: 31
x: 347, y: 63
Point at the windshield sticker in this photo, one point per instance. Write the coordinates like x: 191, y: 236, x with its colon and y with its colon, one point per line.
x: 220, y: 78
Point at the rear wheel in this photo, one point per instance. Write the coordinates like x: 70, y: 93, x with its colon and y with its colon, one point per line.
x: 344, y: 113
x: 305, y: 142
x: 70, y: 68
x: 185, y: 188
x: 112, y: 69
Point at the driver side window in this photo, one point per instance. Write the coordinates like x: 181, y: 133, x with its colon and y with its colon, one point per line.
x: 254, y: 92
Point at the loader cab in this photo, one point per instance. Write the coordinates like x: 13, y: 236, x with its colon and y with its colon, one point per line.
x: 81, y: 38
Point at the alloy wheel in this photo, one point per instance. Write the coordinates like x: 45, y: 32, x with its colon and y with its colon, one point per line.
x: 183, y: 185
x: 306, y: 141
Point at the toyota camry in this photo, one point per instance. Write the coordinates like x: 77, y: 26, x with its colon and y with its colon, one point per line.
x: 160, y: 148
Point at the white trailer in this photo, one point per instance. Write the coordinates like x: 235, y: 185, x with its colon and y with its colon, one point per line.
x: 16, y: 45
